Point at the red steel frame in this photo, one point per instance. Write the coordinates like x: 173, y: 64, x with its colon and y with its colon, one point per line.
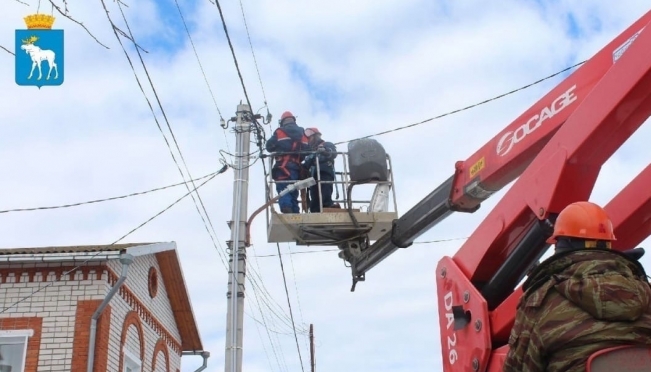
x: 586, y: 119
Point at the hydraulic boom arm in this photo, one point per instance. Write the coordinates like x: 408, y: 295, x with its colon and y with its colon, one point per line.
x: 557, y: 149
x: 477, y: 287
x: 503, y: 158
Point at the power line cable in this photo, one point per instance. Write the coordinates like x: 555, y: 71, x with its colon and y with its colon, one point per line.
x: 215, y: 242
x: 268, y: 301
x: 282, y: 356
x: 230, y: 44
x: 255, y: 61
x: 258, y: 321
x: 132, y: 38
x: 464, y: 108
x: 101, y: 200
x: 187, y: 31
x: 115, y: 242
x: 205, y: 77
x: 337, y: 249
x: 273, y: 347
x: 169, y: 127
x: 264, y: 347
x: 259, y: 130
x: 289, y: 304
x: 282, y: 352
x: 298, y: 297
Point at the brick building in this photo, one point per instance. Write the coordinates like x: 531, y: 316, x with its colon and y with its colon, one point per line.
x: 128, y: 300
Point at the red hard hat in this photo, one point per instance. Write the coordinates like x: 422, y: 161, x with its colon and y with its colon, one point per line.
x: 286, y: 115
x: 583, y: 220
x: 309, y: 132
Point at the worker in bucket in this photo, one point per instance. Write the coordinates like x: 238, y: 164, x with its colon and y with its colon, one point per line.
x: 291, y: 144
x: 583, y: 299
x: 324, y: 154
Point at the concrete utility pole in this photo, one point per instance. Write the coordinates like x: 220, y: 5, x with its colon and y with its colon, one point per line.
x: 237, y: 248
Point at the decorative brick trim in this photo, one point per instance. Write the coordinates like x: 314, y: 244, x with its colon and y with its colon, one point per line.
x: 80, y: 343
x: 33, y: 342
x: 132, y: 318
x: 144, y: 312
x: 28, y: 274
x: 161, y: 346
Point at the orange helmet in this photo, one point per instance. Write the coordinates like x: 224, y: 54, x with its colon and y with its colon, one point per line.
x: 583, y: 220
x: 286, y: 115
x: 309, y: 132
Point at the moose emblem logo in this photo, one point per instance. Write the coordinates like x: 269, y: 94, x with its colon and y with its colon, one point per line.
x: 38, y: 44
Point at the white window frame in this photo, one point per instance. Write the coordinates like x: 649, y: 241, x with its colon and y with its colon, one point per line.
x: 131, y: 361
x: 26, y: 333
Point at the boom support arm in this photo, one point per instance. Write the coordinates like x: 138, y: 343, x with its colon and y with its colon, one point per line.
x: 476, y: 287
x: 503, y: 158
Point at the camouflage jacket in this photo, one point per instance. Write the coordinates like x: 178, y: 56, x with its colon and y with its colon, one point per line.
x: 574, y: 304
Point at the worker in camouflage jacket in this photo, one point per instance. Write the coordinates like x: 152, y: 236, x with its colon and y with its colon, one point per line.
x: 583, y: 299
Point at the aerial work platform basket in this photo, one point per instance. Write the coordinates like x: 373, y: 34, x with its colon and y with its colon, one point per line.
x: 363, y: 189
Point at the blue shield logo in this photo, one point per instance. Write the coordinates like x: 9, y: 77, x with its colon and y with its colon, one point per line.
x: 39, y: 57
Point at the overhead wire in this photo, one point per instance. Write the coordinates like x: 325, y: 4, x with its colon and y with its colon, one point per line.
x: 274, y: 341
x: 465, y: 108
x: 260, y: 134
x: 194, y: 49
x: 337, y: 249
x: 260, y: 322
x: 259, y: 143
x: 115, y: 29
x: 254, y: 285
x: 304, y: 331
x: 255, y: 61
x: 267, y: 299
x: 132, y: 39
x: 264, y: 347
x: 215, y: 241
x: 230, y: 44
x: 271, y: 342
x: 269, y: 302
x: 205, y: 77
x: 40, y: 288
x: 289, y: 305
x: 101, y: 200
x: 298, y: 297
x: 169, y: 127
x: 260, y: 137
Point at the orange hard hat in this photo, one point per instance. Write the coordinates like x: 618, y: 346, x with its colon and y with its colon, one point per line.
x: 285, y: 115
x: 309, y: 132
x: 583, y: 220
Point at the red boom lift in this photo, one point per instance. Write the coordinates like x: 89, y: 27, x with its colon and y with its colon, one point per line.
x: 556, y: 148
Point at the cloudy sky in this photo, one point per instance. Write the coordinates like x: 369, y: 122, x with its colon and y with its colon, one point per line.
x: 349, y: 68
